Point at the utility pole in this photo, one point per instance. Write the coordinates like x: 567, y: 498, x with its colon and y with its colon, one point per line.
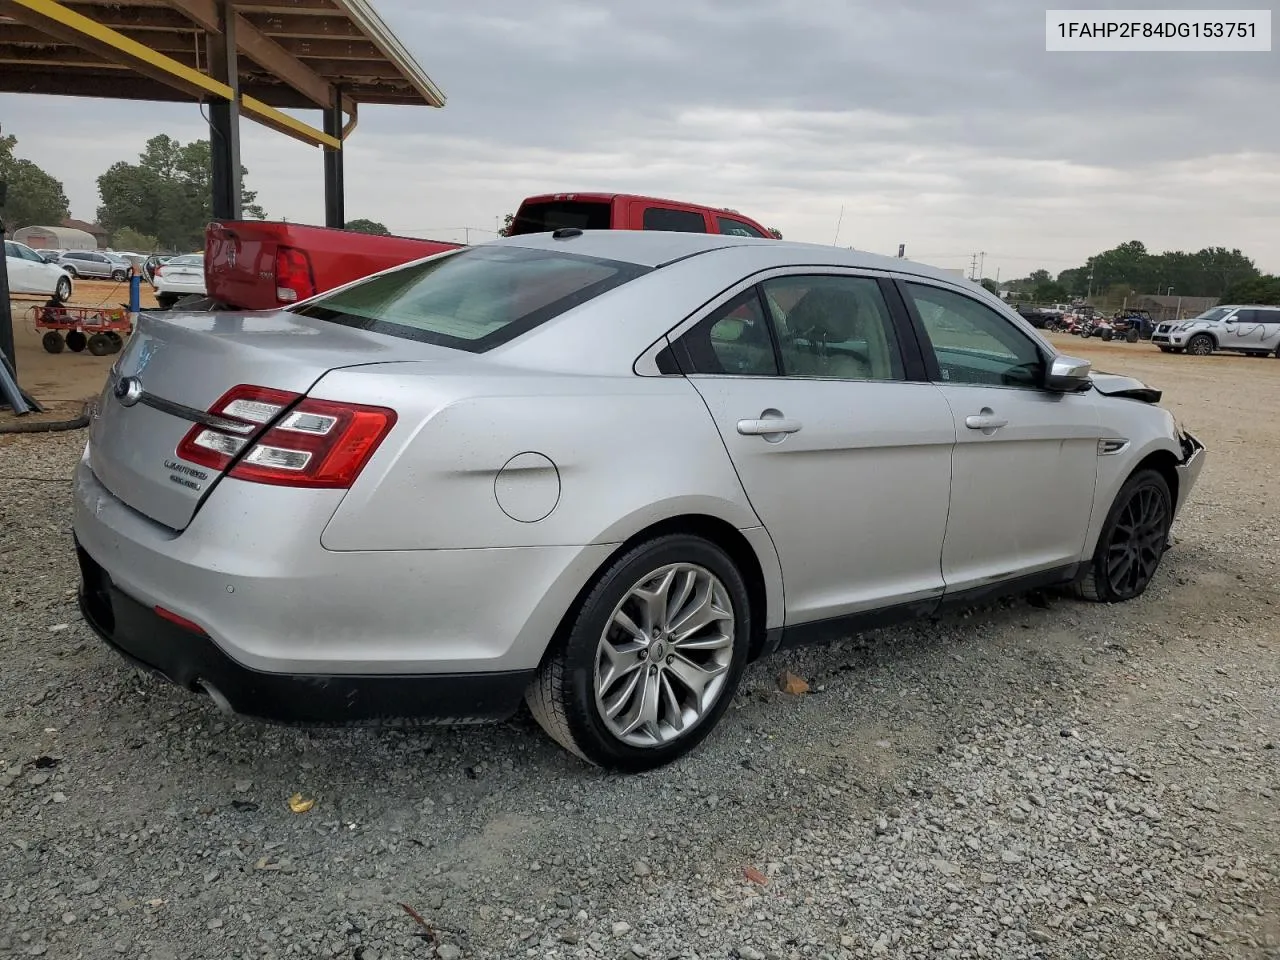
x: 1089, y: 295
x: 973, y: 267
x: 982, y: 264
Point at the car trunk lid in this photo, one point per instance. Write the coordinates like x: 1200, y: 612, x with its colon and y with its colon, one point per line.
x: 175, y: 369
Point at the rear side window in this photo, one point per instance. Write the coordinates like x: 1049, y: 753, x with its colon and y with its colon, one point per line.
x: 674, y: 221
x: 545, y: 217
x: 475, y: 299
x: 736, y: 228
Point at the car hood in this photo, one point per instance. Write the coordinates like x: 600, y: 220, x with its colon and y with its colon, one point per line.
x: 1117, y: 385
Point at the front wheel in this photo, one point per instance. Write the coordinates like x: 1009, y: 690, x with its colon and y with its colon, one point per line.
x: 650, y: 658
x: 76, y: 341
x: 119, y: 276
x: 100, y: 345
x: 52, y: 342
x: 1133, y: 541
x: 1131, y: 336
x: 62, y: 290
x: 1201, y: 345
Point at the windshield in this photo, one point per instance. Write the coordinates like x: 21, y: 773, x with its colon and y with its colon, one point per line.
x: 1217, y: 313
x: 474, y: 299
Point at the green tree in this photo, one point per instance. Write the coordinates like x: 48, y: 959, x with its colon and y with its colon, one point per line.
x: 127, y: 238
x: 1039, y: 276
x: 1263, y: 290
x: 507, y: 223
x: 990, y: 285
x: 34, y: 197
x: 1049, y: 293
x: 167, y: 194
x: 775, y: 233
x: 368, y: 226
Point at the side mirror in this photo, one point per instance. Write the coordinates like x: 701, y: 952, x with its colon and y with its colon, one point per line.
x: 1068, y: 375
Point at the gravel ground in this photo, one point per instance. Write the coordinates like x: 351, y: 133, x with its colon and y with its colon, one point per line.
x: 1026, y: 780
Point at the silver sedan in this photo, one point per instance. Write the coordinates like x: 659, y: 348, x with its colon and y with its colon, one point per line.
x: 600, y: 472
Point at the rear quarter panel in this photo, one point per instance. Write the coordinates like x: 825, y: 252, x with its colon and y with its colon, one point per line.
x: 627, y: 452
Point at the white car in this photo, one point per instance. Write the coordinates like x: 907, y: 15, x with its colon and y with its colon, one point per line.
x: 30, y: 273
x: 180, y: 277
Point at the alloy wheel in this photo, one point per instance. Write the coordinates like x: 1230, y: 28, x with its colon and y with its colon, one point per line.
x: 665, y: 655
x: 1137, y: 542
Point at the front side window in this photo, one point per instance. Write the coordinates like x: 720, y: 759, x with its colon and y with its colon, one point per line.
x: 11, y: 249
x: 674, y: 221
x: 474, y: 299
x: 833, y: 327
x: 974, y: 344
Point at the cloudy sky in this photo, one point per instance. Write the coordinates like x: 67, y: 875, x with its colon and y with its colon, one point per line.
x: 942, y: 125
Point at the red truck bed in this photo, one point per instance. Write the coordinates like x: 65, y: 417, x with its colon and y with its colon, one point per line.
x: 264, y: 264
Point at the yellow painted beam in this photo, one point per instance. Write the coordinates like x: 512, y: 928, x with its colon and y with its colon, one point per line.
x: 53, y: 18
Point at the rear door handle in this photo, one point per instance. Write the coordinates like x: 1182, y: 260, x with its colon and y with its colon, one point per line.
x: 768, y: 427
x: 985, y: 421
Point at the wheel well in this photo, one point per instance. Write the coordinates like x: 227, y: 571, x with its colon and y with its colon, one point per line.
x: 724, y: 535
x: 1165, y: 464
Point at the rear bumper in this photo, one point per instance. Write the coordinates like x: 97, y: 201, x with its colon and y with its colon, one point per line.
x: 193, y: 661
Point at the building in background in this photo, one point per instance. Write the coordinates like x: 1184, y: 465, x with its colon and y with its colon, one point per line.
x: 101, y: 237
x: 56, y: 238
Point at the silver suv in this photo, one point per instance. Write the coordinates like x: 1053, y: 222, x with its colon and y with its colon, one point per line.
x: 1243, y: 329
x: 91, y: 263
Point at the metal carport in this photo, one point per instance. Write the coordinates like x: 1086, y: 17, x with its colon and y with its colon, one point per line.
x: 254, y: 58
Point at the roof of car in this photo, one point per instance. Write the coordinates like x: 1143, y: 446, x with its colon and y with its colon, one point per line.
x: 655, y: 248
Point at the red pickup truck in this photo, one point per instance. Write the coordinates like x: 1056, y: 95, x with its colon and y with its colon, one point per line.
x: 264, y: 264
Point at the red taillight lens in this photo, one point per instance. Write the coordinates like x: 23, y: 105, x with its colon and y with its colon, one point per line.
x: 318, y: 443
x: 294, y: 280
x: 181, y: 621
x: 243, y: 410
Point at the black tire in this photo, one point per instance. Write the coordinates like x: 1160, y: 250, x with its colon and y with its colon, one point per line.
x: 562, y: 698
x: 1131, y: 336
x: 166, y: 301
x: 1201, y: 345
x: 62, y: 290
x: 1137, y: 527
x: 71, y: 270
x: 100, y: 345
x: 76, y: 341
x: 1177, y: 349
x: 117, y: 341
x: 52, y: 341
x: 1107, y: 334
x: 1165, y: 349
x: 119, y: 276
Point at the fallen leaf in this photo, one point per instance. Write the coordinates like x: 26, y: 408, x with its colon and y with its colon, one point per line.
x: 789, y: 683
x: 298, y: 805
x: 754, y: 875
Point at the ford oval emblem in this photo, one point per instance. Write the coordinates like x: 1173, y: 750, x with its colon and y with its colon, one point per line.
x: 128, y: 390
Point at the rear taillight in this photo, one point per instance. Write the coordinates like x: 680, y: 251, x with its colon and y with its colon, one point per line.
x: 240, y: 413
x: 158, y: 268
x: 317, y: 443
x: 294, y: 280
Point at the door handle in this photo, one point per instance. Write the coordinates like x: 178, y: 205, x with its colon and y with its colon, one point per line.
x: 986, y: 420
x: 769, y: 426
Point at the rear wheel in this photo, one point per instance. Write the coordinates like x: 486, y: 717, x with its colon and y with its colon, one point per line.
x: 1201, y: 345
x: 1133, y: 540
x: 651, y: 656
x: 100, y: 345
x: 76, y: 341
x: 1131, y: 336
x: 52, y: 341
x: 166, y: 301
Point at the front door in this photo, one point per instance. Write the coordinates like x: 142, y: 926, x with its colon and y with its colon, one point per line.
x: 1025, y: 460
x: 846, y: 462
x: 1247, y: 330
x: 20, y: 272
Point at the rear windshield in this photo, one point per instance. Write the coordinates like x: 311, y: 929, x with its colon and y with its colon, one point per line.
x: 554, y: 214
x: 474, y: 299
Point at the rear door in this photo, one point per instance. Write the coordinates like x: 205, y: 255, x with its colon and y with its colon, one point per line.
x: 845, y: 457
x: 1025, y: 460
x: 672, y: 217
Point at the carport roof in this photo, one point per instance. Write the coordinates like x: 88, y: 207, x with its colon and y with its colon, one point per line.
x: 293, y: 53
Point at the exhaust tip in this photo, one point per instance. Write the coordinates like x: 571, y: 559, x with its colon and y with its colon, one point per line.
x: 220, y: 701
